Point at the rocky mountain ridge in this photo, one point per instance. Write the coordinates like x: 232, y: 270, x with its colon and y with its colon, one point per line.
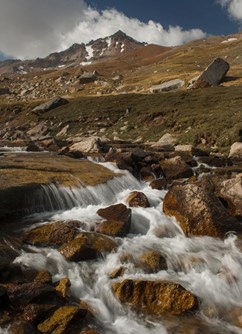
x: 77, y: 54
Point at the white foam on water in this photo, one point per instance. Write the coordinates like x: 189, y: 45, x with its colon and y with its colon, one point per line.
x: 209, y: 268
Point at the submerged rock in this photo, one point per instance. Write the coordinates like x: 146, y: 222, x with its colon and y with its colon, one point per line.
x: 87, y: 246
x: 155, y: 297
x: 199, y: 211
x: 117, y: 220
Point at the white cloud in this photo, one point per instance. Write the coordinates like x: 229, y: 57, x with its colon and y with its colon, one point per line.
x: 32, y: 28
x: 234, y: 8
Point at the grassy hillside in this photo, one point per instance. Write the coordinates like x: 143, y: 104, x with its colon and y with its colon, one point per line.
x: 210, y: 117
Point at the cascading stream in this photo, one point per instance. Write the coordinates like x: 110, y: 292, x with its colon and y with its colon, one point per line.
x: 209, y: 268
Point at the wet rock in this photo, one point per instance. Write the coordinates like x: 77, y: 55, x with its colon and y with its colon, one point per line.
x: 213, y: 75
x: 54, y: 234
x: 199, y: 211
x: 61, y: 320
x: 175, y: 168
x: 43, y: 276
x: 7, y: 255
x: 87, y: 246
x: 33, y: 147
x: 63, y: 287
x: 90, y: 145
x: 35, y: 313
x: 159, y: 184
x: 117, y: 220
x: 167, y: 86
x: 152, y: 261
x: 155, y: 297
x: 117, y: 273
x: 52, y: 104
x: 231, y: 194
x: 138, y: 199
x: 26, y: 293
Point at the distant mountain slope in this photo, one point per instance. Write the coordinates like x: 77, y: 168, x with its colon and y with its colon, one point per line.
x: 78, y: 54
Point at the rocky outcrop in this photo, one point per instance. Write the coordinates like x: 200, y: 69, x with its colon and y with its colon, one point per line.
x: 54, y: 234
x: 87, y: 246
x: 175, y: 168
x: 213, y: 75
x: 117, y: 220
x: 167, y: 86
x: 52, y: 104
x: 155, y: 297
x: 199, y: 211
x: 138, y: 199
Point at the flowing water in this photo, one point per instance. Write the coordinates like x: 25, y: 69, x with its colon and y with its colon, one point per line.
x: 209, y: 268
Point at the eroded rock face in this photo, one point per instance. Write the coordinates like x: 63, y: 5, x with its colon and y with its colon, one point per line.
x: 199, y: 211
x: 54, y: 234
x: 138, y: 199
x: 87, y: 246
x: 117, y: 220
x: 175, y: 168
x: 155, y: 297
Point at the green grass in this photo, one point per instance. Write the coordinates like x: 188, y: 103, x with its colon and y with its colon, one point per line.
x: 214, y: 114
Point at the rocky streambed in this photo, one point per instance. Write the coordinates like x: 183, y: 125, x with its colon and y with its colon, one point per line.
x: 139, y: 240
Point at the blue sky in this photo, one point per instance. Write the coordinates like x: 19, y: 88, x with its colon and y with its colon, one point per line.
x: 34, y: 28
x: 207, y: 15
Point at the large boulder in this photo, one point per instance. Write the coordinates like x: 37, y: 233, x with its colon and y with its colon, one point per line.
x: 87, y: 246
x: 87, y: 77
x: 55, y: 234
x: 199, y: 211
x: 90, y: 145
x: 49, y: 105
x: 155, y: 297
x: 213, y: 75
x: 231, y: 193
x: 167, y: 86
x: 175, y: 168
x: 117, y: 220
x: 165, y: 143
